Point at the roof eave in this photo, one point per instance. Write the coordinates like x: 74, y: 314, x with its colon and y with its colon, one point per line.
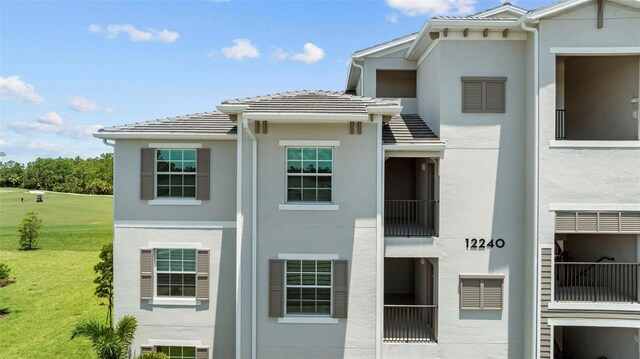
x: 390, y: 110
x: 105, y: 135
x: 305, y: 117
x: 232, y: 109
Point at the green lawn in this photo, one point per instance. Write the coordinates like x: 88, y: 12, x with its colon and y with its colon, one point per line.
x: 54, y: 285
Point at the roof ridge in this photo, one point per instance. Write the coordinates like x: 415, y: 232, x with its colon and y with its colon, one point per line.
x: 165, y: 119
x: 329, y: 93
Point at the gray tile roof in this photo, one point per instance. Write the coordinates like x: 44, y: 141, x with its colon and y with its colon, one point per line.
x: 310, y: 101
x: 404, y: 129
x: 474, y: 18
x: 197, y: 123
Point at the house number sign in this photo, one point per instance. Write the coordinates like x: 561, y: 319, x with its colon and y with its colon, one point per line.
x: 482, y: 243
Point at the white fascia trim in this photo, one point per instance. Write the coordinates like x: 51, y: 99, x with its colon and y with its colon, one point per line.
x: 185, y: 302
x: 175, y: 224
x: 595, y: 306
x: 621, y: 50
x: 174, y: 343
x: 164, y: 136
x: 432, y: 147
x: 474, y: 24
x: 305, y: 117
x: 319, y: 143
x: 307, y: 320
x: 385, y: 46
x: 230, y: 109
x: 553, y: 9
x: 593, y: 144
x: 426, y: 52
x: 174, y: 202
x: 174, y: 145
x: 390, y: 110
x: 606, y: 323
x: 500, y: 9
x: 174, y: 245
x: 308, y: 207
x: 309, y: 256
x: 618, y: 207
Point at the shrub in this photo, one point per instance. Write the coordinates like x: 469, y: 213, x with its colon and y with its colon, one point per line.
x: 153, y: 355
x: 29, y: 230
x: 4, y: 272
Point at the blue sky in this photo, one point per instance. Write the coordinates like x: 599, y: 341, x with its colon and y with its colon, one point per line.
x: 69, y: 67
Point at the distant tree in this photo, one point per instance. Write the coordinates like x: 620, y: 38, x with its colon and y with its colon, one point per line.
x: 108, y: 342
x: 153, y: 355
x: 29, y: 230
x: 104, y: 280
x: 4, y: 272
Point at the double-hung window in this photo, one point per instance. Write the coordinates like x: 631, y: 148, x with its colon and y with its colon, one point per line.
x: 178, y: 352
x: 309, y: 174
x: 176, y: 173
x: 308, y: 287
x: 176, y: 272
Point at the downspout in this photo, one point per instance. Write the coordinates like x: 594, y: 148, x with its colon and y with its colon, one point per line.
x: 536, y: 169
x: 239, y: 228
x: 379, y: 235
x: 254, y: 228
x: 104, y: 140
x: 353, y: 62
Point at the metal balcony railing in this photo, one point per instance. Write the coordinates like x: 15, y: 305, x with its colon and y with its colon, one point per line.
x: 597, y: 282
x: 560, y: 125
x: 410, y: 323
x: 410, y: 218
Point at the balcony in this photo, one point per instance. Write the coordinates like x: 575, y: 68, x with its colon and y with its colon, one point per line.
x: 595, y: 282
x: 410, y: 323
x: 410, y: 218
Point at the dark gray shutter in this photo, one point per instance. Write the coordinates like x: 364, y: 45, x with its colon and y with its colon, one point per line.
x: 202, y: 353
x: 202, y: 274
x: 340, y: 288
x: 471, y: 96
x: 276, y: 288
x: 146, y: 274
x: 470, y: 293
x: 146, y: 349
x: 147, y: 173
x: 494, y: 96
x: 203, y: 174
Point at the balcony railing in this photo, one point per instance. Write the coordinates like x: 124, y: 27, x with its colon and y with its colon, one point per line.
x: 597, y: 282
x: 410, y: 323
x: 560, y: 124
x: 410, y: 218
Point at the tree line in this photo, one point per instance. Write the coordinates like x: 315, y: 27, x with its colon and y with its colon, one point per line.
x: 72, y: 175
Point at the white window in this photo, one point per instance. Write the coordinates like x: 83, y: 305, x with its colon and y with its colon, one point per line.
x: 176, y: 272
x: 176, y: 173
x: 308, y: 287
x: 309, y: 174
x: 178, y: 352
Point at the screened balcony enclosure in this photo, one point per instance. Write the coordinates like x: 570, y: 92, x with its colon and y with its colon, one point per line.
x: 597, y: 268
x: 410, y: 205
x: 597, y: 98
x: 410, y: 313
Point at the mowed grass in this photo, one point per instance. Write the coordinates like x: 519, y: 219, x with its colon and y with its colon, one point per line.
x: 54, y: 285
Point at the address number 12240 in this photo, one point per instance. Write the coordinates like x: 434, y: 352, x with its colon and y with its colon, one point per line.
x: 482, y: 243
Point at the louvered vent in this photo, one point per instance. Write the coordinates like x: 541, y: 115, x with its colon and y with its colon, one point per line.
x: 597, y: 222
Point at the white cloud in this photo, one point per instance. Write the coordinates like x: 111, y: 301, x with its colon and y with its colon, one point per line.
x: 392, y: 17
x: 310, y: 55
x: 242, y: 48
x: 13, y: 87
x: 50, y: 118
x: 2, y: 142
x: 21, y: 127
x: 433, y: 7
x: 135, y: 34
x: 81, y: 104
x: 45, y: 147
x: 80, y: 131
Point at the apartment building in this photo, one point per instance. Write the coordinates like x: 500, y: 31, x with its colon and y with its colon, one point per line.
x: 473, y: 193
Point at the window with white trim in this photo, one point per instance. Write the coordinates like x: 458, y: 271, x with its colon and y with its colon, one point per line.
x: 309, y: 174
x: 176, y: 173
x: 178, y: 352
x: 176, y: 272
x: 308, y: 287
